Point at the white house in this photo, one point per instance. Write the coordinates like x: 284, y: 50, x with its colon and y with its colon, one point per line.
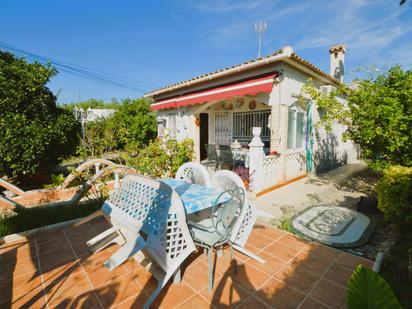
x: 223, y: 106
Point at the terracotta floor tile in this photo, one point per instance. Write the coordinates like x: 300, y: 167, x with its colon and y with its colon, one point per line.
x: 71, y: 230
x: 65, y: 288
x: 249, y: 277
x: 298, y: 278
x: 225, y: 294
x: 272, y: 264
x: 84, y: 300
x: 322, y: 252
x: 224, y: 264
x: 310, y: 303
x: 53, y: 245
x: 312, y: 264
x: 140, y: 275
x: 255, y: 303
x: 31, y: 299
x: 18, y: 286
x: 338, y: 275
x: 117, y: 291
x: 280, y: 295
x: 350, y: 261
x: 173, y: 294
x: 272, y: 233
x: 258, y: 240
x: 97, y: 259
x: 49, y: 235
x: 82, y: 250
x: 83, y: 237
x: 197, y: 276
x: 101, y: 275
x: 27, y: 266
x: 137, y: 301
x: 281, y: 251
x: 330, y: 294
x: 59, y: 272
x: 52, y: 260
x: 13, y: 252
x: 197, y: 302
x: 294, y: 242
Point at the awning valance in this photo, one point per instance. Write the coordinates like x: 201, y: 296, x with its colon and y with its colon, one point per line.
x: 249, y: 87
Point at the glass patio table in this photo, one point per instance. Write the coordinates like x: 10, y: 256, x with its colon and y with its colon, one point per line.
x: 196, y: 197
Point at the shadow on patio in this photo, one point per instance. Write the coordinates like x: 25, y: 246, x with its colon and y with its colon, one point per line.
x: 57, y: 266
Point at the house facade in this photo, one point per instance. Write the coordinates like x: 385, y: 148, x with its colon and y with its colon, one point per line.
x: 224, y: 106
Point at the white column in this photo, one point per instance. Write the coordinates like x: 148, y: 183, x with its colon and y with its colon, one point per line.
x: 256, y: 155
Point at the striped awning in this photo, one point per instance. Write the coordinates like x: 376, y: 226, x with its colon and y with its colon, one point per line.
x: 249, y: 87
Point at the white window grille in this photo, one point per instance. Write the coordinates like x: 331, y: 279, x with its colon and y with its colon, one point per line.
x: 223, y: 128
x: 244, y: 122
x: 171, y: 125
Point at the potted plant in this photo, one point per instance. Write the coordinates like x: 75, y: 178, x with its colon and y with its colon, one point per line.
x: 243, y: 173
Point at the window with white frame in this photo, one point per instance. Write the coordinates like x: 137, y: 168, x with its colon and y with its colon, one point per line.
x: 296, y: 128
x: 171, y: 125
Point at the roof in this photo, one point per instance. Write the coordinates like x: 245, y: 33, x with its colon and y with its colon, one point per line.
x: 280, y: 55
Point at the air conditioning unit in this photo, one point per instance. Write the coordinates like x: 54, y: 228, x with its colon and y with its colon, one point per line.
x: 327, y: 89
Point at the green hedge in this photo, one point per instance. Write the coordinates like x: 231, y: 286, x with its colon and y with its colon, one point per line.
x: 395, y: 195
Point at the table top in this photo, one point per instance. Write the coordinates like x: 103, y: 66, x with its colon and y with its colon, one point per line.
x: 196, y: 197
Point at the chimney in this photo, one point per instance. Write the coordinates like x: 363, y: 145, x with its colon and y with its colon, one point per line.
x: 337, y: 61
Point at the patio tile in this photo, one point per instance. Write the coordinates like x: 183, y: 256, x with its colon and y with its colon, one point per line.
x: 249, y: 277
x: 31, y: 299
x: 72, y: 230
x: 49, y: 235
x: 197, y: 275
x: 310, y: 303
x: 18, y: 268
x: 330, y: 294
x: 173, y: 295
x: 83, y: 237
x: 84, y: 300
x: 338, y: 275
x: 18, y: 286
x: 280, y: 295
x: 55, y: 274
x: 258, y: 240
x: 298, y: 278
x: 312, y: 264
x: 82, y: 250
x: 280, y: 251
x: 269, y: 232
x: 117, y: 291
x: 52, y: 260
x: 52, y: 245
x: 322, y: 252
x: 137, y: 301
x: 101, y: 275
x: 140, y: 275
x: 225, y: 294
x: 12, y: 252
x: 97, y: 259
x: 253, y: 302
x: 272, y: 264
x: 294, y: 242
x: 350, y: 261
x: 197, y: 302
x: 66, y: 287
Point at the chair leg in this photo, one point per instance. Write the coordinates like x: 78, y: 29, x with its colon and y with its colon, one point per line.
x: 104, y: 239
x: 248, y: 253
x: 154, y: 295
x: 210, y: 257
x: 126, y: 251
x: 231, y: 258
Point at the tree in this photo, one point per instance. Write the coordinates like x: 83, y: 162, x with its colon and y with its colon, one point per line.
x: 378, y: 115
x: 134, y: 124
x: 35, y: 133
x: 381, y: 117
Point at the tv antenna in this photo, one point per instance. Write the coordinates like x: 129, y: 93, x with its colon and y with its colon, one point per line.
x: 260, y: 28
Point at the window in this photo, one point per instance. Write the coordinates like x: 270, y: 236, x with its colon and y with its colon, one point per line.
x: 296, y: 129
x: 244, y: 122
x: 171, y: 125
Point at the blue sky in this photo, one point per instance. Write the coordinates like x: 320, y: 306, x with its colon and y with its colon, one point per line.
x: 155, y: 43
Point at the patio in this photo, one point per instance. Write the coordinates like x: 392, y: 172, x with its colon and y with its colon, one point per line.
x: 55, y: 268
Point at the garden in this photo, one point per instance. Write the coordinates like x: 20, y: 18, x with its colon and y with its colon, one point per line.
x: 42, y: 142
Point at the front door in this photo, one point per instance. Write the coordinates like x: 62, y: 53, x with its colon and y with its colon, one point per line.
x: 204, y: 134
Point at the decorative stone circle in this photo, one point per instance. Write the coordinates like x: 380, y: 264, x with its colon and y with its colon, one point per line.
x: 333, y: 225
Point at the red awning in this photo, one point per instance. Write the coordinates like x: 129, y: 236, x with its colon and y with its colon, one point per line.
x: 249, y: 87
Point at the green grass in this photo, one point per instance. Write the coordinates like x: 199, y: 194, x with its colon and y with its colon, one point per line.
x: 35, y: 217
x: 286, y: 225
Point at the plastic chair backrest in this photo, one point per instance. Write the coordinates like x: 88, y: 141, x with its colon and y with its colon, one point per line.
x: 211, y: 150
x: 193, y: 173
x: 226, y: 154
x: 153, y: 209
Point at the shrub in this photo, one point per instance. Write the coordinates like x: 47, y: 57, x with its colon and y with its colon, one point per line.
x: 162, y: 158
x: 35, y: 133
x: 395, y: 195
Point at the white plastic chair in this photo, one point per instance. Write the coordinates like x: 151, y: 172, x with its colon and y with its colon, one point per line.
x: 193, y: 172
x: 227, y: 180
x: 149, y: 222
